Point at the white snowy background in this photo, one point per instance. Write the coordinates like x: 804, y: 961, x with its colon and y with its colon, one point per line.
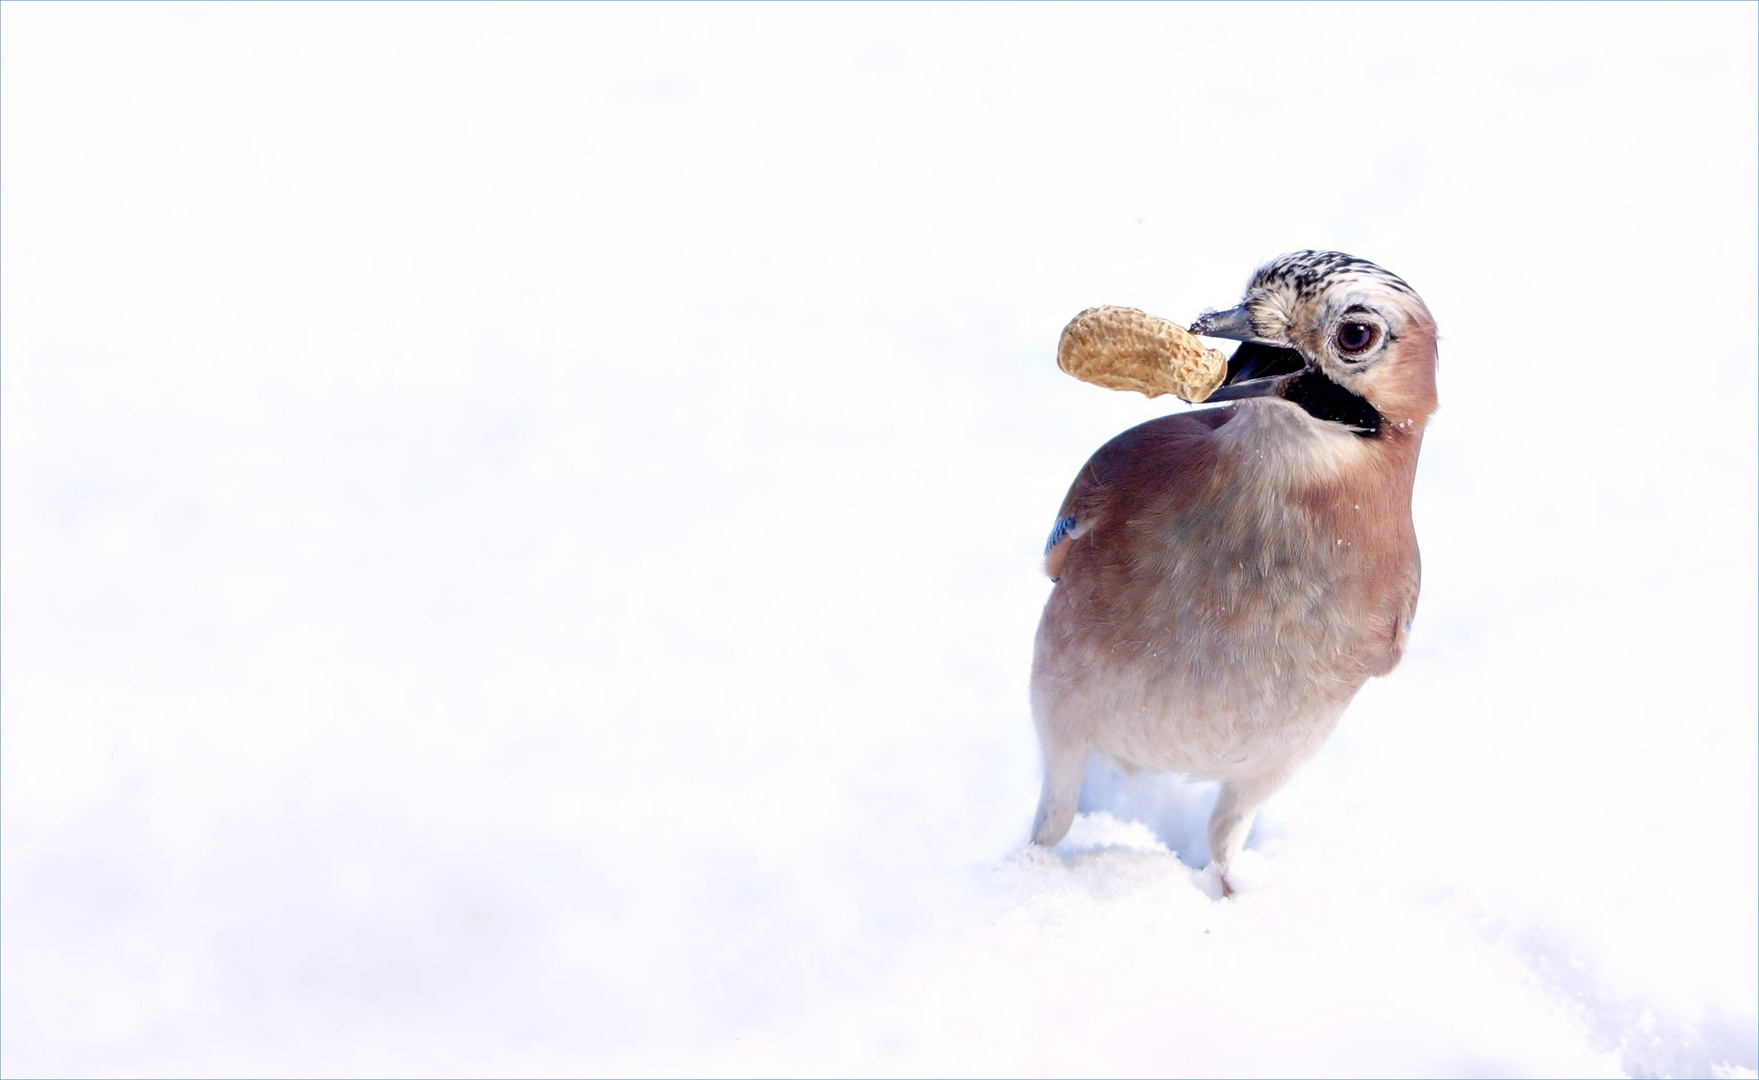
x: 521, y: 529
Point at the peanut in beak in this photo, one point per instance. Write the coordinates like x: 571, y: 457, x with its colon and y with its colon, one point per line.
x: 1122, y: 348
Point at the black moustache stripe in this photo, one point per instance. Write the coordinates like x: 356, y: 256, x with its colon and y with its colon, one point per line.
x: 1326, y: 400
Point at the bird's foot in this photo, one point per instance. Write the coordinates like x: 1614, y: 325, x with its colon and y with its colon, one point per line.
x: 1246, y: 872
x: 1213, y: 881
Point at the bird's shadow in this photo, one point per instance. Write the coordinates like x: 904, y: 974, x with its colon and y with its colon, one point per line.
x: 1175, y: 809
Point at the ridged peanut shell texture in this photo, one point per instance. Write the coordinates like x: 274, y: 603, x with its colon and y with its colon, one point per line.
x: 1122, y: 348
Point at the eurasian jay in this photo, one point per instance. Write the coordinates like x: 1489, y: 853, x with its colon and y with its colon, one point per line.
x: 1227, y: 579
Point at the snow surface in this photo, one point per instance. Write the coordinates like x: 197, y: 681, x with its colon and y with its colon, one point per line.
x: 521, y: 533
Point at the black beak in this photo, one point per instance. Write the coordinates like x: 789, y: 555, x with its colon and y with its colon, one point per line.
x: 1235, y: 324
x: 1258, y: 368
x: 1258, y: 371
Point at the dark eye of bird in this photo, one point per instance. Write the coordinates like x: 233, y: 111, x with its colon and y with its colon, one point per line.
x: 1354, y: 337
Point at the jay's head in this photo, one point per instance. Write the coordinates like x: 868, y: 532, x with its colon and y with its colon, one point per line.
x: 1348, y: 342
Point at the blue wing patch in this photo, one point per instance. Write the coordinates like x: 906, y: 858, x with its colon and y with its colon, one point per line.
x: 1063, y: 527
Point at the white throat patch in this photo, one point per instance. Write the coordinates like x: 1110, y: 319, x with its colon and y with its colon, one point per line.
x: 1281, y: 444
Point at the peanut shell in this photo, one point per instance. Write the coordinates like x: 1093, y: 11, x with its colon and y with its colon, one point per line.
x: 1122, y: 348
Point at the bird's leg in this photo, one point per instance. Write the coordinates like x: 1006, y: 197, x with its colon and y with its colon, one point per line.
x: 1232, y: 820
x: 1063, y: 768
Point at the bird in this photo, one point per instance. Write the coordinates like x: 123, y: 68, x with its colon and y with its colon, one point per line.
x: 1227, y: 579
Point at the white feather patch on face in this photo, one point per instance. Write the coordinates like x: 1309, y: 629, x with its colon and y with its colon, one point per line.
x: 1279, y: 444
x: 1274, y: 313
x: 1295, y: 300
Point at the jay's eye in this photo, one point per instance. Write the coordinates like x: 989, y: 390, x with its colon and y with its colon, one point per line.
x: 1356, y: 337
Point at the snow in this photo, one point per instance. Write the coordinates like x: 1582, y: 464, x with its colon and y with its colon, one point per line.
x: 521, y: 534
